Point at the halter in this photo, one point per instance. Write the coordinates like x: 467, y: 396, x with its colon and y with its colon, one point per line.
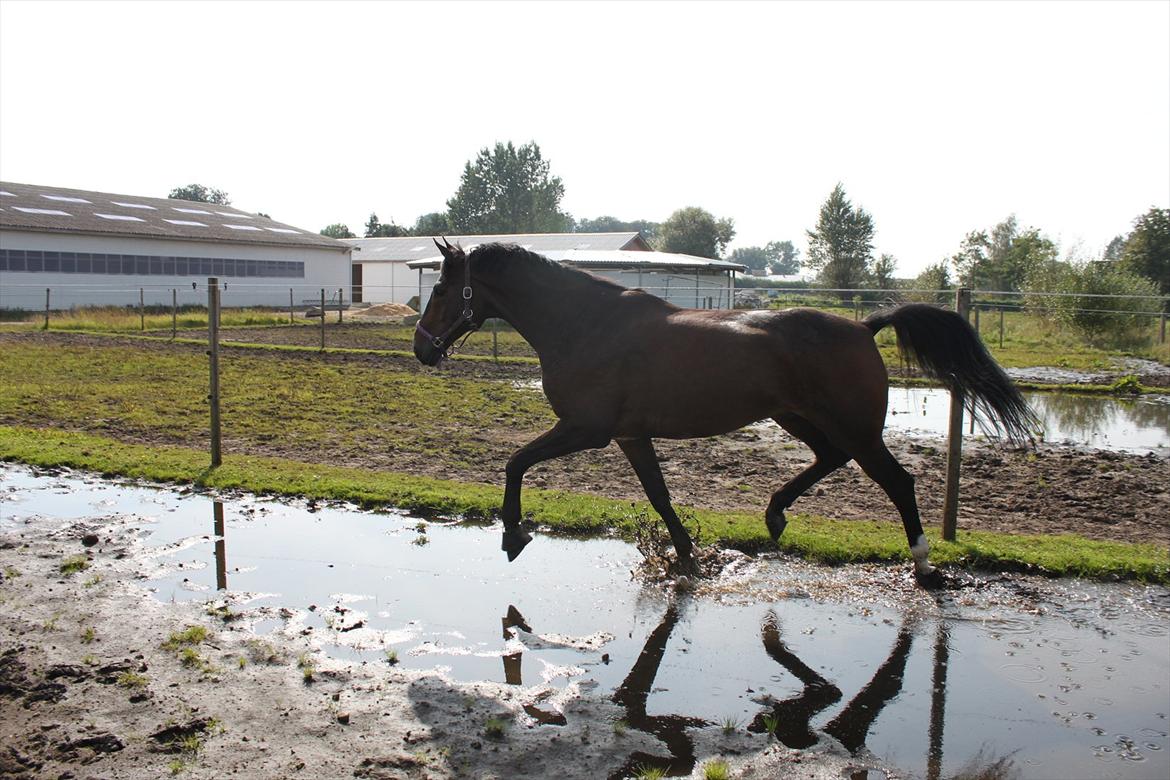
x: 467, y: 316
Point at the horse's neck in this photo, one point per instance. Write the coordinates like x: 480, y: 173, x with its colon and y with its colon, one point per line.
x: 550, y: 309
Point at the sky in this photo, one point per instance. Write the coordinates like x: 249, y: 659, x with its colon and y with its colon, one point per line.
x: 937, y: 118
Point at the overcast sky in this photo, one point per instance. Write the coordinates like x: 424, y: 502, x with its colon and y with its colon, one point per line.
x: 938, y: 118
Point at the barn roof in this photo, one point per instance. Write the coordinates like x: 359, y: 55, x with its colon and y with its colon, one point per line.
x: 403, y: 249
x: 613, y: 259
x: 62, y: 210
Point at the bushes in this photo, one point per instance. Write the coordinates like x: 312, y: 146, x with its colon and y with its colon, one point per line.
x: 1116, y: 321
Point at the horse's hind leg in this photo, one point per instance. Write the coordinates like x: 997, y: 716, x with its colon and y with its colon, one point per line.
x: 645, y: 462
x: 884, y: 469
x: 829, y: 458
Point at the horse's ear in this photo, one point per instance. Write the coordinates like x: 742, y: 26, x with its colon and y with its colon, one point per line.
x: 444, y: 248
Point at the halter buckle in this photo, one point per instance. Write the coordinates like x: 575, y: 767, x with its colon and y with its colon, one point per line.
x: 467, y: 293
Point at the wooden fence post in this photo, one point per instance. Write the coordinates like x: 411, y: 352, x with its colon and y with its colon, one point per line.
x: 340, y: 302
x: 174, y: 312
x: 495, y: 340
x: 955, y: 440
x: 47, y: 308
x: 1001, y: 327
x: 141, y: 309
x: 290, y: 307
x: 213, y: 352
x: 322, y: 319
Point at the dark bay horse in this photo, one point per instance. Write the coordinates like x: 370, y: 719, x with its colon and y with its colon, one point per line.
x: 622, y: 365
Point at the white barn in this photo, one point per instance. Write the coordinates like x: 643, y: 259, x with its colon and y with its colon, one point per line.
x: 96, y: 248
x: 400, y: 269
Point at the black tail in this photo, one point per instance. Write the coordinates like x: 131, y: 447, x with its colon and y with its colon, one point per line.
x: 947, y: 348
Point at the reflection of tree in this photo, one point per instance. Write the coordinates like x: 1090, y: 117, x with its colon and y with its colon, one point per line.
x: 1148, y: 414
x: 1077, y: 415
x: 632, y: 695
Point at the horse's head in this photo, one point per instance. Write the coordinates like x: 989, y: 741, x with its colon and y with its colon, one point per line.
x: 449, y: 313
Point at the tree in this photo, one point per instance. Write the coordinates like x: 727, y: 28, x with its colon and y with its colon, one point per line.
x: 933, y: 277
x: 883, y: 272
x: 840, y: 249
x: 1147, y: 250
x: 971, y: 259
x: 201, y: 194
x: 784, y: 257
x: 754, y: 257
x: 508, y: 190
x: 1114, y: 249
x: 433, y: 224
x: 337, y: 230
x: 1002, y: 259
x: 376, y: 229
x: 695, y: 231
x: 648, y: 229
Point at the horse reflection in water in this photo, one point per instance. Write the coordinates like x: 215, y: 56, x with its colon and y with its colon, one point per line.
x: 789, y: 720
x: 622, y: 365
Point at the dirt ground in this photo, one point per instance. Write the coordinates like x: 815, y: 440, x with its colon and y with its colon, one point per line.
x: 90, y: 690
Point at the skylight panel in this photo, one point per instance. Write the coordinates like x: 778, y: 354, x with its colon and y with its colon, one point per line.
x: 122, y: 217
x: 52, y: 212
x: 192, y: 211
x: 9, y: 194
x: 243, y: 227
x: 66, y: 199
x: 133, y: 205
x: 419, y: 248
x: 184, y: 222
x: 236, y: 216
x: 274, y: 230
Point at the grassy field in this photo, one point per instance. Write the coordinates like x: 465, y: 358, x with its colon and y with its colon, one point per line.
x: 813, y: 537
x: 139, y: 410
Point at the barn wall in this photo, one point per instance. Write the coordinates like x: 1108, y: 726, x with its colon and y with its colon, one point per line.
x: 387, y: 282
x: 322, y: 268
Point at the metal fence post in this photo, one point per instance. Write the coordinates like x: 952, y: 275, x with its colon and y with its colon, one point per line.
x: 955, y: 439
x: 47, y: 308
x: 322, y: 319
x: 213, y: 353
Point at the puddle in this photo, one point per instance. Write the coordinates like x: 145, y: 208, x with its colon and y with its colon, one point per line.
x: 1052, y: 678
x: 1137, y: 425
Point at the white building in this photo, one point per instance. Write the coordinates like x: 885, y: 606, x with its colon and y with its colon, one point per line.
x: 95, y: 248
x: 401, y: 269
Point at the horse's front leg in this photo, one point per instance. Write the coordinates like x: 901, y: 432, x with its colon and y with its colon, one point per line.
x: 642, y: 457
x: 563, y: 439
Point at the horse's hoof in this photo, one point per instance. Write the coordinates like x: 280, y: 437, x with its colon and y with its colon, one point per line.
x: 932, y: 580
x: 776, y: 524
x: 515, y: 542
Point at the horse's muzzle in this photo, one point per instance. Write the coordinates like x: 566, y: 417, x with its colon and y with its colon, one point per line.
x: 426, y: 352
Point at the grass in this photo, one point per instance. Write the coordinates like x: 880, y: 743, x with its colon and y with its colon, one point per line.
x: 132, y: 680
x: 494, y: 728
x: 771, y: 723
x: 126, y: 319
x: 305, y: 664
x: 816, y: 538
x: 645, y: 772
x: 730, y: 724
x: 392, y: 656
x: 718, y: 769
x: 73, y: 564
x: 190, y: 636
x: 87, y: 636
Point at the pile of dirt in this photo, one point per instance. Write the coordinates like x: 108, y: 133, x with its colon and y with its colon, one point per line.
x: 385, y: 310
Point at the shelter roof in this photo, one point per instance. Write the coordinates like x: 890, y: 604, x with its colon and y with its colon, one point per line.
x: 408, y: 248
x: 62, y: 210
x: 615, y: 259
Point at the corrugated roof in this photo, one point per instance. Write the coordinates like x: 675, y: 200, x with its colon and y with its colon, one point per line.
x: 413, y: 248
x: 63, y: 210
x: 613, y: 258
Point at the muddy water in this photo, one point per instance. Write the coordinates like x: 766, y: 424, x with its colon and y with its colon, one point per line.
x: 1061, y: 679
x: 1137, y: 425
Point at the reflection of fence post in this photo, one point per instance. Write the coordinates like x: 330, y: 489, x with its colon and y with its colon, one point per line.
x: 938, y: 702
x: 955, y: 439
x: 220, y: 546
x: 322, y: 319
x: 213, y: 352
x: 141, y: 309
x: 174, y: 313
x: 47, y: 307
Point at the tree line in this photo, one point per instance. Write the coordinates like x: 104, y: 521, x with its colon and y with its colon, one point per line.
x: 511, y: 189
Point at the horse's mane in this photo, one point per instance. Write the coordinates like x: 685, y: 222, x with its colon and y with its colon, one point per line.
x: 503, y: 258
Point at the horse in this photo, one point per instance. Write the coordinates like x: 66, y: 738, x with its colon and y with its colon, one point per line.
x: 622, y: 365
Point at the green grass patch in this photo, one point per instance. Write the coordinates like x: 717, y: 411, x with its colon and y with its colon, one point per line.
x: 809, y: 536
x: 73, y: 564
